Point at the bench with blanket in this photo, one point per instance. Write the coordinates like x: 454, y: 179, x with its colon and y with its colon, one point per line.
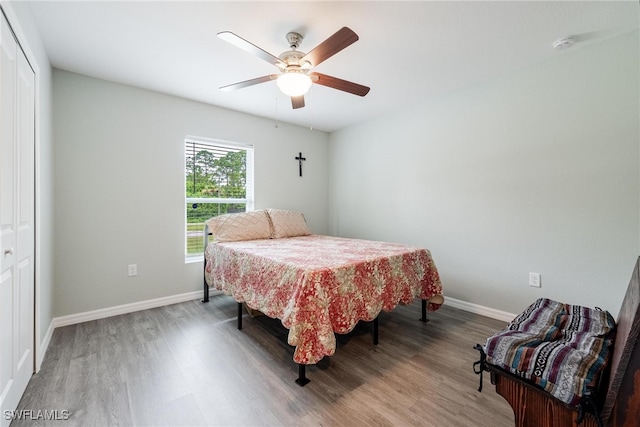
x: 560, y: 364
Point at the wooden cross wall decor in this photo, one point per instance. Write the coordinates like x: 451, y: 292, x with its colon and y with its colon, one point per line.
x: 300, y: 159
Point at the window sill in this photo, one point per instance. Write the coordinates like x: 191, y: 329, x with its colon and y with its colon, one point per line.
x: 193, y: 259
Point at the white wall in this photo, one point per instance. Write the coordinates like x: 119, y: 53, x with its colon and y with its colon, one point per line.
x: 22, y: 22
x: 119, y: 178
x: 535, y: 172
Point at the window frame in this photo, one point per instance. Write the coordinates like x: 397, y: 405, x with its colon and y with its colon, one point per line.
x: 248, y: 200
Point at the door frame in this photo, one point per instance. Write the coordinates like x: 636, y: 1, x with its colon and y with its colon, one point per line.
x: 14, y: 23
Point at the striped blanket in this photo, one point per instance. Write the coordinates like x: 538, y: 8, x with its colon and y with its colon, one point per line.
x: 560, y: 347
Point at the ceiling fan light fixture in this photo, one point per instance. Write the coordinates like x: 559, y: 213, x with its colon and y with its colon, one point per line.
x: 294, y: 83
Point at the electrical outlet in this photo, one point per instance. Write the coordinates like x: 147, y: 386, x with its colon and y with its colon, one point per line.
x: 133, y: 269
x: 534, y: 280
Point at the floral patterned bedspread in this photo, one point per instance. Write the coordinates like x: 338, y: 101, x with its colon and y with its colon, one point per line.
x: 320, y: 285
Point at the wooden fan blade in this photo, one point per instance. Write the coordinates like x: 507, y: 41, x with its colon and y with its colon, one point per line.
x: 249, y: 47
x: 336, y: 83
x: 251, y: 82
x: 334, y: 44
x: 297, y: 101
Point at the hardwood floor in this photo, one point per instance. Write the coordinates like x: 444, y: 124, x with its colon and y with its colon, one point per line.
x: 187, y: 364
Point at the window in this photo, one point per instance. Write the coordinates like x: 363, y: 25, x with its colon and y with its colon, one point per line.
x: 218, y: 180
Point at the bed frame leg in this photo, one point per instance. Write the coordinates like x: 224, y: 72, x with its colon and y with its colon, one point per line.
x: 375, y: 331
x: 205, y: 296
x: 240, y: 316
x: 424, y: 311
x: 302, y: 377
x: 206, y: 293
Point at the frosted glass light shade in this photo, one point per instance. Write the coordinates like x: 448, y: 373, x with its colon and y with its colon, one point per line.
x: 294, y: 83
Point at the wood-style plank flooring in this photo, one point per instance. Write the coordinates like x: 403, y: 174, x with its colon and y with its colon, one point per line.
x: 187, y: 364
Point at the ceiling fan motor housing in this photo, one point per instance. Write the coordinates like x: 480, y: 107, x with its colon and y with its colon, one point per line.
x: 291, y: 59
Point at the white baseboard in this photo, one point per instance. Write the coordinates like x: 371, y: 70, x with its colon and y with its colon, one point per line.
x: 479, y: 309
x: 102, y: 313
x: 44, y: 345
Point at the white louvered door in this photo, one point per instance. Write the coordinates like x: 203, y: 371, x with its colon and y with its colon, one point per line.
x: 17, y: 191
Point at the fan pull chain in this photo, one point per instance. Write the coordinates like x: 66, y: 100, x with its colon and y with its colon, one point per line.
x: 312, y: 108
x: 276, y: 112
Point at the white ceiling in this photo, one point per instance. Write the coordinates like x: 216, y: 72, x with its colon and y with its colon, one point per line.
x: 408, y: 52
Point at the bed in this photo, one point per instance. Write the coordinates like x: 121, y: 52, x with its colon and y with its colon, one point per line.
x: 316, y: 285
x: 560, y: 365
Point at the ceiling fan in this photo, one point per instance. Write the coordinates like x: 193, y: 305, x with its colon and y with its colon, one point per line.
x: 295, y: 76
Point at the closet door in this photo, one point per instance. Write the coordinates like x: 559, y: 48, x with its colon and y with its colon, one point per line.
x: 16, y: 221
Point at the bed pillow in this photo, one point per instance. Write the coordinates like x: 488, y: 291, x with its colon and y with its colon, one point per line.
x: 288, y: 223
x: 240, y: 226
